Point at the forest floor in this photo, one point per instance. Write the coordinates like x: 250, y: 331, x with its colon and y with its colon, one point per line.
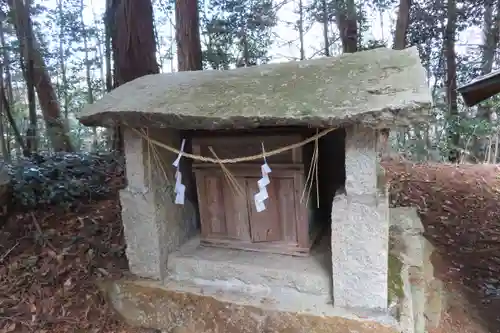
x: 50, y: 261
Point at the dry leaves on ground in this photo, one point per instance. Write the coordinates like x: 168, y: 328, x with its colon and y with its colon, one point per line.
x: 49, y: 260
x: 460, y: 209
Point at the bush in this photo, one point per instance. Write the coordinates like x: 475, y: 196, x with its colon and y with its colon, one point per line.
x: 63, y: 179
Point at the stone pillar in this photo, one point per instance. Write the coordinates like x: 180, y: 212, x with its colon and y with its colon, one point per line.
x: 153, y: 225
x: 360, y: 227
x: 140, y: 226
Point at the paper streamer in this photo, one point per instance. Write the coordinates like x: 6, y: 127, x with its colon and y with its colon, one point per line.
x: 262, y: 195
x: 180, y: 189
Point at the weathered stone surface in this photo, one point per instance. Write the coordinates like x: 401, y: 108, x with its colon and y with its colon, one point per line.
x: 153, y: 225
x: 147, y: 304
x: 360, y: 227
x: 378, y: 87
x: 246, y: 270
x: 359, y: 254
x: 361, y: 161
x: 422, y: 302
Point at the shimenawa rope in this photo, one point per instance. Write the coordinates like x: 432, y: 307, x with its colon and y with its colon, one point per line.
x: 237, y: 159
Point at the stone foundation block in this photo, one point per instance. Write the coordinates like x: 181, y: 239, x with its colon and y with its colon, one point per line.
x: 143, y: 234
x: 360, y: 236
x: 150, y: 305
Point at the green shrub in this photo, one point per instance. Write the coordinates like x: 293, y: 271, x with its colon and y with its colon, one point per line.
x: 62, y: 179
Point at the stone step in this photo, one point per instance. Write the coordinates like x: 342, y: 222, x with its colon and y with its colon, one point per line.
x: 252, y: 272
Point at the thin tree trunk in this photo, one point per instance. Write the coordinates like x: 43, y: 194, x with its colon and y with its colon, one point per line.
x: 491, y: 36
x: 107, y: 42
x: 99, y: 52
x: 189, y: 57
x: 90, y: 92
x: 382, y: 27
x: 10, y: 118
x: 62, y: 61
x: 46, y: 95
x: 301, y: 30
x: 495, y: 155
x: 8, y: 78
x: 451, y: 80
x: 3, y: 143
x: 402, y: 23
x: 326, y: 39
x: 246, y: 51
x: 26, y: 45
x: 113, y: 135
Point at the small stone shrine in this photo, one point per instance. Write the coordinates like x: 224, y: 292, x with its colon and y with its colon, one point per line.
x: 257, y: 192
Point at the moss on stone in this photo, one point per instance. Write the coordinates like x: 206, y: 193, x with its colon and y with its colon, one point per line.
x: 395, y: 281
x: 378, y: 84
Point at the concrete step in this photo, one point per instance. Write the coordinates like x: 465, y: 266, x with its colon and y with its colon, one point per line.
x: 252, y: 272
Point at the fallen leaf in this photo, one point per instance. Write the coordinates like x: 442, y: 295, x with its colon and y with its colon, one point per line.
x: 9, y: 328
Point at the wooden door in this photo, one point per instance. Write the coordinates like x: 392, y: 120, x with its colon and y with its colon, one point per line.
x: 232, y: 220
x: 223, y: 213
x: 265, y: 226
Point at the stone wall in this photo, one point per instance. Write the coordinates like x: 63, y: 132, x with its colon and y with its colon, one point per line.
x: 153, y: 225
x: 360, y: 226
x: 422, y: 302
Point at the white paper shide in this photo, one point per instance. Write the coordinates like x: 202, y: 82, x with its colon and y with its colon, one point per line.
x: 180, y: 189
x: 262, y: 195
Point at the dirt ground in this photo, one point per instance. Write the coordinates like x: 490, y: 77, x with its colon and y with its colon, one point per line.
x: 50, y: 260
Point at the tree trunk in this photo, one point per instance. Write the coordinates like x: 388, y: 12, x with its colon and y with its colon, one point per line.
x: 130, y: 24
x: 10, y: 118
x: 301, y: 31
x: 90, y: 91
x: 46, y: 94
x: 3, y: 141
x: 451, y: 80
x: 189, y: 55
x: 326, y: 39
x: 107, y: 44
x: 189, y: 58
x: 402, y: 23
x: 8, y: 78
x: 133, y: 40
x: 491, y: 36
x: 111, y: 138
x: 27, y: 48
x: 348, y: 25
x: 102, y: 56
x: 62, y: 61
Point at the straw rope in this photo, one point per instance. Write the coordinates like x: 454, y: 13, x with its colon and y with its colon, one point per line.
x: 237, y: 159
x: 234, y: 185
x: 313, y: 169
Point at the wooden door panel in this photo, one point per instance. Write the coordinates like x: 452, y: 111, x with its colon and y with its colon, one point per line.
x: 286, y: 199
x: 264, y: 226
x: 232, y: 218
x: 215, y: 205
x: 235, y: 204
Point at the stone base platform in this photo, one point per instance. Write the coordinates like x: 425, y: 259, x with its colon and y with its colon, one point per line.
x: 254, y: 272
x: 217, y: 290
x: 181, y: 308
